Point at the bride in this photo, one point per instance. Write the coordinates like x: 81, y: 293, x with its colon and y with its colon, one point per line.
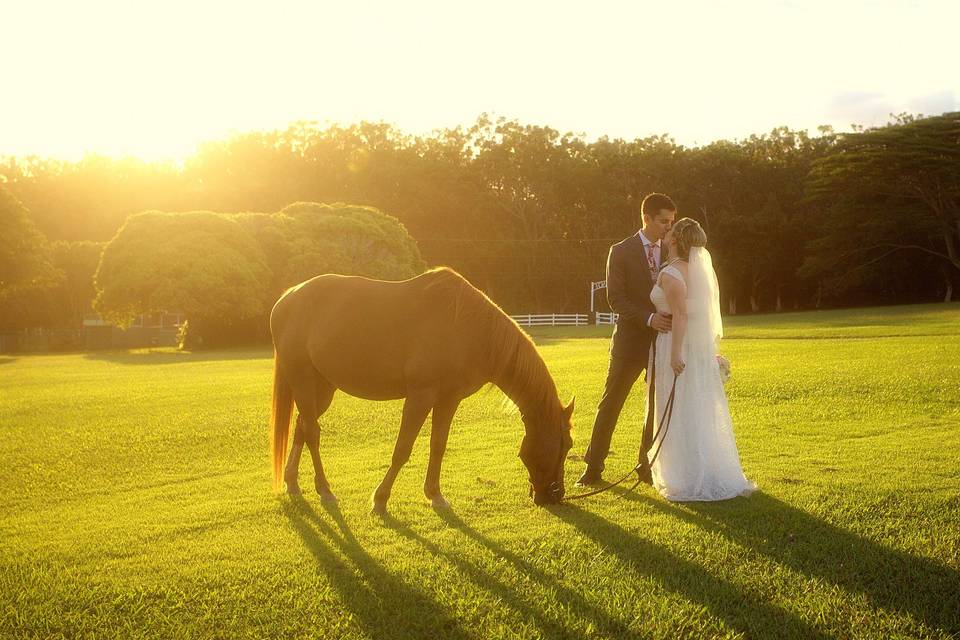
x: 698, y: 457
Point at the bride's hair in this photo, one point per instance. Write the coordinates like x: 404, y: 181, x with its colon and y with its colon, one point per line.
x: 688, y: 233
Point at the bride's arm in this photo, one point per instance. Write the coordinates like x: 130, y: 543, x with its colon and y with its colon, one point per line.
x: 676, y: 292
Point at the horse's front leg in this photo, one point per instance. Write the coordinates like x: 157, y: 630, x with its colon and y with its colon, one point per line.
x: 415, y: 410
x: 440, y: 429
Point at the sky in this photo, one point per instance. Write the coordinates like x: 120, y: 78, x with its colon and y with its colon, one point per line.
x: 154, y: 79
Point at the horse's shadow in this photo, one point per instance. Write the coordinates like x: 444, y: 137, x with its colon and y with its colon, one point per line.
x: 422, y: 616
x: 889, y: 579
x: 409, y: 614
x: 524, y: 603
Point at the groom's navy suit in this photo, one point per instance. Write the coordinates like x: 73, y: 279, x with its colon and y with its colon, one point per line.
x: 629, y: 281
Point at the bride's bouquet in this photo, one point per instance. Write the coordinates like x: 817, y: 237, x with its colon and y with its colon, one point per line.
x: 724, y: 365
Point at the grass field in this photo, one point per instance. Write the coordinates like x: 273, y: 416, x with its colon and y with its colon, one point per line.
x: 135, y: 502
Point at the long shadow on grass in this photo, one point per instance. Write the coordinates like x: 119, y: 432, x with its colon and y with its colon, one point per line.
x: 725, y: 601
x: 889, y: 579
x: 382, y: 604
x: 515, y: 597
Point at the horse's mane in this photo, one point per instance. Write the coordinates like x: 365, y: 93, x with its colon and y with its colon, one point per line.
x: 512, y: 354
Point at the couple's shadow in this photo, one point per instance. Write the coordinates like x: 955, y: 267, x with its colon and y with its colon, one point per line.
x: 891, y: 580
x: 737, y: 608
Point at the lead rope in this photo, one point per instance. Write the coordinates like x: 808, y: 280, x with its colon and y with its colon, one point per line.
x: 661, y: 434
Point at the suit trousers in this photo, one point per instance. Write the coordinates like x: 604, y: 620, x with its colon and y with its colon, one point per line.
x: 622, y: 374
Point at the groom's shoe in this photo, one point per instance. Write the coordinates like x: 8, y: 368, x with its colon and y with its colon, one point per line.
x: 590, y: 477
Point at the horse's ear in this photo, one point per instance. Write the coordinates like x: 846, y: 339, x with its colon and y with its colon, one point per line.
x: 568, y: 410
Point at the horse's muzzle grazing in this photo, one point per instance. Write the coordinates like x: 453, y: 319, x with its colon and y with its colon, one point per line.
x: 551, y: 494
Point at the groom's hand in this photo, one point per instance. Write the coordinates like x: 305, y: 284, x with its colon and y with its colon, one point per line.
x: 661, y: 322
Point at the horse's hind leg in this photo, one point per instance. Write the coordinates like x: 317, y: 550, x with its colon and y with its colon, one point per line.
x: 312, y: 396
x: 324, y: 396
x: 293, y: 460
x: 442, y: 417
x: 415, y: 410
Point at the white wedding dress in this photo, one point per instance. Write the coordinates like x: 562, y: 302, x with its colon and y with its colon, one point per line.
x: 698, y: 457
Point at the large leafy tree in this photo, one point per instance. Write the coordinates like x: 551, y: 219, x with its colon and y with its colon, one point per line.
x: 24, y: 253
x: 202, y: 264
x: 306, y: 239
x: 724, y: 191
x: 224, y: 271
x: 534, y: 184
x: 26, y: 269
x: 892, y: 202
x: 749, y: 196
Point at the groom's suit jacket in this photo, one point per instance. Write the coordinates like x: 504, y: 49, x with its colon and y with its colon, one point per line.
x: 628, y: 291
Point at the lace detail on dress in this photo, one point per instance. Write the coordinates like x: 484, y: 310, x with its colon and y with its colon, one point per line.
x: 657, y: 295
x: 673, y: 271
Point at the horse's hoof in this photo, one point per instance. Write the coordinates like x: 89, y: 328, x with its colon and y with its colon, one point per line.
x: 378, y: 509
x: 327, y: 497
x: 293, y: 489
x: 439, y: 502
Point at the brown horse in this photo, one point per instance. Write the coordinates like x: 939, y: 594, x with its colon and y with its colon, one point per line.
x: 433, y: 340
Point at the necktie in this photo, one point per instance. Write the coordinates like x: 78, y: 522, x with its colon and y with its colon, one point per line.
x: 654, y: 270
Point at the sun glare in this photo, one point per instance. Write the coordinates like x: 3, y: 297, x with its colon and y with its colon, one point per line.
x: 153, y: 81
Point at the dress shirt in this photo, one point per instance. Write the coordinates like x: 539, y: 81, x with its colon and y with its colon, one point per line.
x: 656, y: 258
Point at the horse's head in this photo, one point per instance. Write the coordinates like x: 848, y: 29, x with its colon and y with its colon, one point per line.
x: 544, y: 451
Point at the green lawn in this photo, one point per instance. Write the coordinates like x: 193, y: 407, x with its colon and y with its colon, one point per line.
x: 135, y: 501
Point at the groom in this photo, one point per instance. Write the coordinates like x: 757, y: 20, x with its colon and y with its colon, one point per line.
x: 632, y: 268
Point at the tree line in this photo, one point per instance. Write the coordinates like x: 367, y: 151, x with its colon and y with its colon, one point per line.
x: 527, y: 213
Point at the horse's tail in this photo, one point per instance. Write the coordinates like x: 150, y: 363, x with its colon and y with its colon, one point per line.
x: 279, y: 421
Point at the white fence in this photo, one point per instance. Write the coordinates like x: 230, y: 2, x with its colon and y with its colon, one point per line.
x: 552, y: 320
x: 606, y: 318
